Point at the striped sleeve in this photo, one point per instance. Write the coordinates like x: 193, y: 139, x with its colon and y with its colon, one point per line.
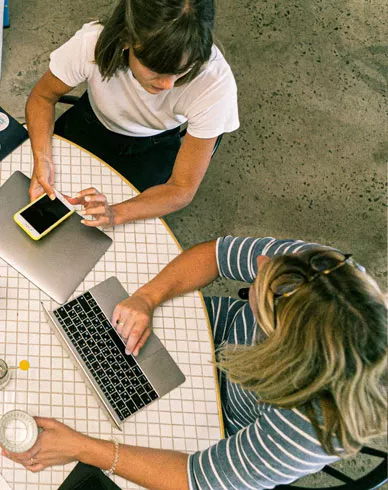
x: 278, y: 448
x: 236, y: 257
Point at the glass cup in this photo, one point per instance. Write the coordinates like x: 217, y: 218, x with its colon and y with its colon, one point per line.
x: 5, y: 375
x: 18, y: 431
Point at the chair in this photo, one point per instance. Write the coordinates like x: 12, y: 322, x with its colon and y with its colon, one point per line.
x: 73, y: 99
x: 243, y: 293
x: 374, y: 479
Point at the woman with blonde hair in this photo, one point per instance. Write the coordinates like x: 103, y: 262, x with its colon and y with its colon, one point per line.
x: 301, y: 368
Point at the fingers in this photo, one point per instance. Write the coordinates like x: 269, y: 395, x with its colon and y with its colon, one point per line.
x: 104, y: 222
x: 42, y: 180
x: 86, y: 195
x: 49, y: 190
x: 46, y: 422
x: 134, y: 335
x: 141, y: 342
x: 35, y: 193
x: 90, y: 191
x: 40, y: 186
x: 96, y: 207
x: 28, y: 458
x: 116, y: 314
x: 94, y: 211
x: 72, y: 200
x: 35, y: 190
x: 36, y: 467
x: 137, y: 338
x: 134, y: 328
x: 132, y: 321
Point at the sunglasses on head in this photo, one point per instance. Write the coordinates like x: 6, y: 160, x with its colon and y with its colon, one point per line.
x: 321, y: 263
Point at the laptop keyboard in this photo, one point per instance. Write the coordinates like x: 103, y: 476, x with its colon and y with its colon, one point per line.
x: 118, y: 375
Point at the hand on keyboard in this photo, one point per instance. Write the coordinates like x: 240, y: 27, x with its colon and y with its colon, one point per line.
x: 132, y: 319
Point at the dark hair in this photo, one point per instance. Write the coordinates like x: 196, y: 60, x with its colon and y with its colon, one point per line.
x: 162, y: 33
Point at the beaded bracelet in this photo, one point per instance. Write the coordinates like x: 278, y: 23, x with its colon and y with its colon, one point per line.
x: 112, y: 469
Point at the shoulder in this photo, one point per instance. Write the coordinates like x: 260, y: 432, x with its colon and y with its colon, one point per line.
x: 90, y: 31
x: 216, y: 64
x: 84, y: 40
x: 215, y: 71
x: 269, y: 246
x: 73, y: 62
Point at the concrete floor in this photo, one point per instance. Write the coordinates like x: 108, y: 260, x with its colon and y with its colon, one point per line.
x: 310, y: 158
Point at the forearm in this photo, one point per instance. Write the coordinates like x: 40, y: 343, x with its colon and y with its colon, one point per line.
x: 193, y: 269
x: 154, y: 202
x: 150, y: 468
x: 40, y: 116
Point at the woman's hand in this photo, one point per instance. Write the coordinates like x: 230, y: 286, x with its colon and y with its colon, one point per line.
x: 96, y: 206
x: 42, y: 180
x: 57, y: 444
x: 132, y: 319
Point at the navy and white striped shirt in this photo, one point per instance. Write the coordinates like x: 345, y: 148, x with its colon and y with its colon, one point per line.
x: 264, y: 446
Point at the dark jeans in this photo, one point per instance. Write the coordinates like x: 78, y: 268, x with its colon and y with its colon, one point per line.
x: 145, y: 161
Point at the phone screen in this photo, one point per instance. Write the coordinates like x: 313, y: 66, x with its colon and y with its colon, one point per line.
x: 44, y: 213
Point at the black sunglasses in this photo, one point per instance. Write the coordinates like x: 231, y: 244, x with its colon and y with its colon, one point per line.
x: 321, y: 263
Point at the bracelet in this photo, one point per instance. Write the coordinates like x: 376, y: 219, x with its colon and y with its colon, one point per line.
x: 112, y: 469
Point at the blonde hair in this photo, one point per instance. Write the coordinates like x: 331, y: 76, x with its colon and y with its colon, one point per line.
x: 327, y: 354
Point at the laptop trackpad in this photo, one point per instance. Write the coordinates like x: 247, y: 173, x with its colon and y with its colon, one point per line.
x: 162, y: 372
x: 152, y: 346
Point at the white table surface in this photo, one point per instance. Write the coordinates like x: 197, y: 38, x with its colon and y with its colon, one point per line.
x: 188, y: 418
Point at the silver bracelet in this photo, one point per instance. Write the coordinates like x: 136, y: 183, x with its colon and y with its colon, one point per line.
x: 112, y: 469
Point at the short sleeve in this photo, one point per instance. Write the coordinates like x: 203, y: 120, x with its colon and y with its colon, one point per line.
x: 73, y: 62
x: 212, y: 108
x: 278, y: 448
x: 236, y: 256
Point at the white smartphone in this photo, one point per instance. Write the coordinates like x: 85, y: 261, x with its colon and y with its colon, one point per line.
x: 42, y: 215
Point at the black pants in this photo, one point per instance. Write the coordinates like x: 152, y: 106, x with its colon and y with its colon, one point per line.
x: 145, y: 161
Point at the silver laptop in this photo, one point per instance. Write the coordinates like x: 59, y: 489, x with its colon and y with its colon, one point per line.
x: 59, y: 262
x: 122, y: 384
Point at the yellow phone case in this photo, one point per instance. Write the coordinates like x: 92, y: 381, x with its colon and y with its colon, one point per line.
x: 48, y: 229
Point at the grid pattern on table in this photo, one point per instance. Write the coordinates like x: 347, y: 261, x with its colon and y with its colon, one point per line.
x: 186, y: 419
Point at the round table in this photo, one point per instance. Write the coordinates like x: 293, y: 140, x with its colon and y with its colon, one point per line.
x: 188, y: 418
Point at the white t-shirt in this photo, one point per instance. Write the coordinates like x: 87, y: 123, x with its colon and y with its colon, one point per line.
x: 208, y: 103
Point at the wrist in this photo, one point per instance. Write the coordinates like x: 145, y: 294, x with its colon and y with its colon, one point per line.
x: 149, y: 296
x: 116, y: 448
x: 82, y: 447
x: 98, y: 452
x: 42, y: 155
x: 119, y: 216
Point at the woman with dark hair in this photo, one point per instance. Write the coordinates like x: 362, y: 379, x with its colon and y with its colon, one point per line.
x: 150, y: 68
x: 301, y: 368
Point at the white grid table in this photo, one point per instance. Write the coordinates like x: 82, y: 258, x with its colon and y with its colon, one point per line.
x: 188, y: 418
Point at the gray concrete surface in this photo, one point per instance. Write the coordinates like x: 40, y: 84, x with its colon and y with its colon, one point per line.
x: 310, y: 158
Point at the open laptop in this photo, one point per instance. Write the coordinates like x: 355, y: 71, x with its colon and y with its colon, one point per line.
x: 57, y: 263
x: 122, y: 384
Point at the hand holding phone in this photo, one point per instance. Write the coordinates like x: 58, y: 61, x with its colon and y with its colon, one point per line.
x: 42, y: 180
x: 42, y: 215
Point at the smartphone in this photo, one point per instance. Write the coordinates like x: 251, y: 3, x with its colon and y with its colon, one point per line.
x: 41, y: 216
